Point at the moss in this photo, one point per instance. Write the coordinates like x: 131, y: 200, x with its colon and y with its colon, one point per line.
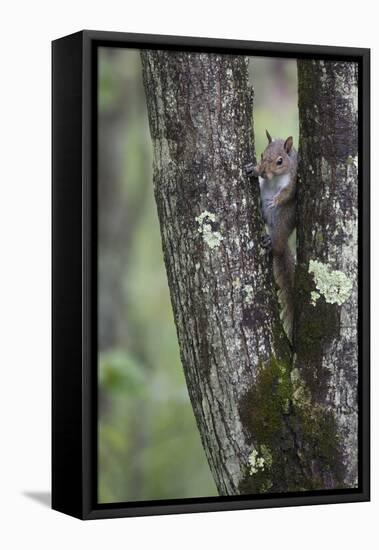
x: 296, y: 446
x: 270, y: 394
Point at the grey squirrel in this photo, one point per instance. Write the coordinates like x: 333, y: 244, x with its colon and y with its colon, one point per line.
x: 276, y: 173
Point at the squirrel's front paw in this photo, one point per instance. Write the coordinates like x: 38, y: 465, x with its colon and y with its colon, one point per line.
x: 266, y: 241
x: 272, y: 203
x: 249, y: 169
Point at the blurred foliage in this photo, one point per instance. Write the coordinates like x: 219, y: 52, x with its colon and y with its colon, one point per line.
x: 275, y: 99
x: 149, y: 444
x: 119, y: 372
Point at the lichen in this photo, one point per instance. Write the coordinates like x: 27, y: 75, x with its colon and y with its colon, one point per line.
x: 260, y: 461
x: 210, y: 237
x: 314, y: 297
x: 352, y: 161
x: 236, y: 283
x: 210, y: 215
x: 256, y: 462
x: 333, y: 285
x: 249, y: 293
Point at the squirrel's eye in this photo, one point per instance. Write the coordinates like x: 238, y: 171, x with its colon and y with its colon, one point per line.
x: 279, y: 161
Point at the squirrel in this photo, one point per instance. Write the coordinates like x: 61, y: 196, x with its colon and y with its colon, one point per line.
x: 276, y: 173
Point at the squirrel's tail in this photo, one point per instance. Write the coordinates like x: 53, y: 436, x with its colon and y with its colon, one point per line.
x: 284, y: 271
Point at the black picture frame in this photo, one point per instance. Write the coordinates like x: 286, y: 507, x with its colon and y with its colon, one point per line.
x: 74, y: 294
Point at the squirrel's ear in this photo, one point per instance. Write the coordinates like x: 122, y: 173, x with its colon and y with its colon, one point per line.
x: 268, y: 137
x: 288, y: 144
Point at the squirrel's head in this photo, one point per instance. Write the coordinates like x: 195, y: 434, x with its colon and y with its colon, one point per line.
x: 275, y: 160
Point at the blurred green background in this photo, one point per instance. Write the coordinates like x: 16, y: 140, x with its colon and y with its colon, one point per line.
x: 275, y: 99
x: 149, y: 446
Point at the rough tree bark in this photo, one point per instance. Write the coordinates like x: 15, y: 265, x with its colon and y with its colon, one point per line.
x: 326, y: 316
x: 220, y: 279
x: 271, y: 419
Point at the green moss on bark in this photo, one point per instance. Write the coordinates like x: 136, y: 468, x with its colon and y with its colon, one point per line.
x: 301, y: 437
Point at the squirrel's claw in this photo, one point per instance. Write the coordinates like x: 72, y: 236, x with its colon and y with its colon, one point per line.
x: 266, y: 241
x: 272, y: 203
x: 249, y: 169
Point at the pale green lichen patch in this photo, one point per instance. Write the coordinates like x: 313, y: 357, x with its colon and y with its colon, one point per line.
x: 314, y: 297
x: 353, y: 161
x: 333, y: 285
x: 205, y: 215
x: 256, y: 462
x: 236, y: 283
x: 259, y: 461
x: 210, y: 237
x: 249, y: 293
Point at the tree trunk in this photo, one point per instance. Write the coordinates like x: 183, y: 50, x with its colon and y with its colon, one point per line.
x: 326, y: 316
x: 223, y: 296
